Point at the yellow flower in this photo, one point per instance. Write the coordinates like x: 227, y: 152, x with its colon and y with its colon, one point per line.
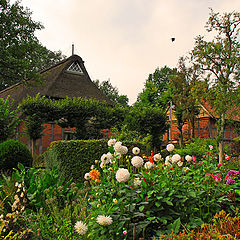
x: 115, y: 200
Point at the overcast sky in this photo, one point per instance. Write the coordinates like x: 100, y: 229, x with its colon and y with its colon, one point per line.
x: 124, y: 40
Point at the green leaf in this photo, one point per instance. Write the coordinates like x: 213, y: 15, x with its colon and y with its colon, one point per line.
x: 176, y: 225
x: 141, y: 208
x: 192, y: 194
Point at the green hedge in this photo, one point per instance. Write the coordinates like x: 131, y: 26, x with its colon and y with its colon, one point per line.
x: 13, y: 152
x: 74, y: 158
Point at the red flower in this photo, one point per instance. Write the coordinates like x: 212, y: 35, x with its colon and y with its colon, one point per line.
x: 143, y: 178
x: 151, y: 157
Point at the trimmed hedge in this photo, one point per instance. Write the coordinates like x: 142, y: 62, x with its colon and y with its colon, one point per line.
x: 13, y: 152
x: 74, y: 158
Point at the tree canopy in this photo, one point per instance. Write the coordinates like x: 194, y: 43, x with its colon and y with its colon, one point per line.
x: 21, y: 53
x: 112, y: 92
x: 157, y: 89
x: 220, y: 59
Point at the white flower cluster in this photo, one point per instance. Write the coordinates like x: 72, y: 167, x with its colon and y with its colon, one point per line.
x: 137, y: 182
x: 122, y: 175
x: 119, y: 148
x: 137, y: 161
x: 106, y: 159
x: 104, y: 220
x: 148, y: 165
x: 135, y: 150
x: 176, y: 158
x: 81, y: 228
x: 170, y: 147
x: 157, y: 157
x: 188, y: 158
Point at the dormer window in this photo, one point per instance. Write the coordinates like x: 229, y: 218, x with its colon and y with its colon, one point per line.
x: 75, y: 68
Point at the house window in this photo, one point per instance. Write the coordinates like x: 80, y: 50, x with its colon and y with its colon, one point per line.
x: 75, y: 68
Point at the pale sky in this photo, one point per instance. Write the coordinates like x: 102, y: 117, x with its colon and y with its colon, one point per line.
x: 124, y: 40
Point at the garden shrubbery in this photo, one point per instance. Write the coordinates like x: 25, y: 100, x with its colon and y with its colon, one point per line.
x: 127, y: 194
x: 13, y: 152
x: 199, y: 147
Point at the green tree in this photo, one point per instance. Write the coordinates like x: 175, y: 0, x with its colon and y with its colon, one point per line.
x: 186, y: 106
x: 112, y: 92
x: 8, y: 119
x: 21, y: 53
x: 148, y: 121
x: 220, y: 58
x: 157, y: 90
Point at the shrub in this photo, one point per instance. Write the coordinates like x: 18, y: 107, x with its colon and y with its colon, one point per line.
x: 74, y: 158
x: 8, y: 119
x: 198, y: 147
x: 222, y: 226
x: 13, y: 152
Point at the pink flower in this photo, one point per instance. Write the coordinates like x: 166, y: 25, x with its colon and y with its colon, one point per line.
x: 124, y: 232
x: 194, y: 158
x: 211, y: 147
x: 219, y: 165
x: 227, y: 157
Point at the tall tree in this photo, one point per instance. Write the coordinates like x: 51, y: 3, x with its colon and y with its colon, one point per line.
x: 220, y: 58
x: 21, y: 53
x: 185, y: 102
x: 157, y: 90
x: 112, y: 92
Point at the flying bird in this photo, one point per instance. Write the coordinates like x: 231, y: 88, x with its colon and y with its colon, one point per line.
x: 173, y: 39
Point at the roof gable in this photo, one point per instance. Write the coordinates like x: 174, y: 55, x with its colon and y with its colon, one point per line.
x: 58, y: 82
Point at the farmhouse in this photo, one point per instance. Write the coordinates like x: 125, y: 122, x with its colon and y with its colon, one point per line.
x: 67, y: 78
x: 205, y: 126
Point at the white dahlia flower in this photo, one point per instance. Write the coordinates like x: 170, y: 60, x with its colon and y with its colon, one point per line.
x: 176, y: 158
x: 137, y: 182
x: 86, y: 176
x: 170, y: 147
x: 135, y: 150
x: 117, y: 147
x: 137, y: 161
x: 157, y: 157
x: 123, y: 150
x: 111, y: 142
x: 117, y: 155
x: 81, y: 228
x: 188, y: 158
x: 179, y: 163
x: 104, y: 220
x: 102, y: 165
x: 110, y: 156
x: 105, y: 159
x: 148, y: 165
x: 122, y: 175
x: 168, y: 161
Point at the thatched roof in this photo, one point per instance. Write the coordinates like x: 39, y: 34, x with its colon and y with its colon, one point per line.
x: 58, y: 82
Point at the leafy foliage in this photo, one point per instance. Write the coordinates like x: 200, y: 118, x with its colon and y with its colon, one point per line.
x: 88, y: 116
x: 21, y: 53
x: 220, y: 59
x: 157, y: 91
x: 13, y: 152
x: 146, y: 121
x: 75, y: 157
x: 112, y: 92
x: 8, y: 119
x: 222, y: 226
